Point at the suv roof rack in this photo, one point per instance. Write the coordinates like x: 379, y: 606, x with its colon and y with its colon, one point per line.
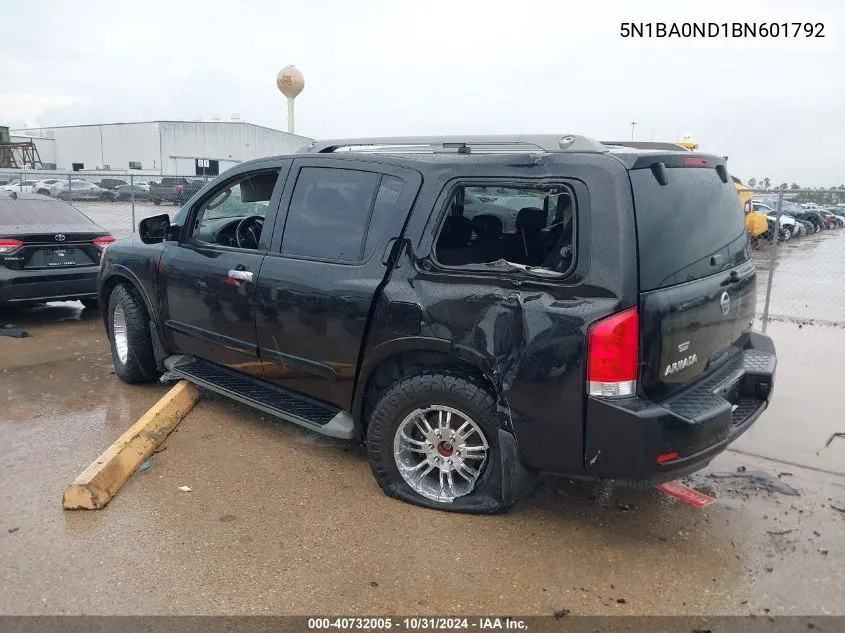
x: 463, y: 144
x: 671, y: 147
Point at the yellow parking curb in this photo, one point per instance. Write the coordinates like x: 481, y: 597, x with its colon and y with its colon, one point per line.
x: 98, y: 483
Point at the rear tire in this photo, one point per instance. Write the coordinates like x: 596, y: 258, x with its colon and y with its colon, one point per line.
x: 396, y: 457
x: 156, y: 201
x: 129, y: 335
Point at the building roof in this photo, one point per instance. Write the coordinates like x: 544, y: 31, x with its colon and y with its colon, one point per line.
x: 17, y: 131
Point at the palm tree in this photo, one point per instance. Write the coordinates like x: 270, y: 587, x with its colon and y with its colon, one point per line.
x: 767, y: 183
x: 752, y: 182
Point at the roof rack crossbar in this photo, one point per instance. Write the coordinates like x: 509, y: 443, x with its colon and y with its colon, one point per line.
x: 494, y: 142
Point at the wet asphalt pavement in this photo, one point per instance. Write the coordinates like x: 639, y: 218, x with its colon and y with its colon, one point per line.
x: 283, y: 521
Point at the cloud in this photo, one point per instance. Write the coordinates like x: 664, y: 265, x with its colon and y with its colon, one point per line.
x: 418, y: 67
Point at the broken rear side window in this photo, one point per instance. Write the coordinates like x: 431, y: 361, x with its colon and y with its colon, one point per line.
x: 520, y: 224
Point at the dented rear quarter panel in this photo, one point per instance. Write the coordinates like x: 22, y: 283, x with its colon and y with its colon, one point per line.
x: 526, y: 334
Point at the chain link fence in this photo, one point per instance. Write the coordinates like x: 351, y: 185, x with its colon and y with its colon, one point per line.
x: 116, y: 201
x: 801, y: 274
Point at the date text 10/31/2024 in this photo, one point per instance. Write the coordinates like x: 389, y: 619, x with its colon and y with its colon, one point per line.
x: 417, y: 624
x: 781, y: 30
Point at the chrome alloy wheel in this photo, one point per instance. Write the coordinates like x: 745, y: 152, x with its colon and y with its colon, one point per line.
x: 121, y: 338
x: 440, y: 452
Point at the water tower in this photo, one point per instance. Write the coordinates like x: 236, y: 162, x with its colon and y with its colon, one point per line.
x: 290, y: 83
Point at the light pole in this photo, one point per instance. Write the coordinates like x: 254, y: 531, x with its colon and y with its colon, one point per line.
x: 633, y: 125
x: 290, y: 83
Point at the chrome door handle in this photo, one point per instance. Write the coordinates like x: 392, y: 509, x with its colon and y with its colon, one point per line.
x: 241, y: 275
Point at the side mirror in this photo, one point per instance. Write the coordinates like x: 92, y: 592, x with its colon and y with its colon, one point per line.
x: 154, y: 229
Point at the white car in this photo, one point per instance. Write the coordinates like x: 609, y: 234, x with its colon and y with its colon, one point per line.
x: 20, y: 187
x: 43, y: 186
x: 789, y: 224
x: 76, y: 190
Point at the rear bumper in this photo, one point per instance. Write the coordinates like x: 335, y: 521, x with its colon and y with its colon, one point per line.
x: 625, y: 437
x: 33, y: 286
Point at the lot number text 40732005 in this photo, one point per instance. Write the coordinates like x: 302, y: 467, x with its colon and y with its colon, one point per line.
x: 417, y: 624
x: 721, y: 29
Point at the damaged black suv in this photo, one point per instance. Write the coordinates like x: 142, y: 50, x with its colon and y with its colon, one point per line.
x: 475, y: 309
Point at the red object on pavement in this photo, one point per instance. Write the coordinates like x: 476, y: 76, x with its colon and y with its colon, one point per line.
x: 686, y: 494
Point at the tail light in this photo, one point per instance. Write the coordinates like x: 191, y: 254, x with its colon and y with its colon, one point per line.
x: 613, y: 353
x: 102, y: 242
x: 9, y: 246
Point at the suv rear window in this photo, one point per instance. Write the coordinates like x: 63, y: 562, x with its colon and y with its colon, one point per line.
x: 690, y: 228
x: 520, y: 224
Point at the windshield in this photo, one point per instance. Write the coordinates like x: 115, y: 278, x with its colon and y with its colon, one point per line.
x: 234, y: 206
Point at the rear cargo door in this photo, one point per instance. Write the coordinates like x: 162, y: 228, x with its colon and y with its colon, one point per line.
x: 697, y: 281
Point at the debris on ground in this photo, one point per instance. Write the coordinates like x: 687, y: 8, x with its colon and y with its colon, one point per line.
x: 373, y: 583
x: 781, y: 533
x: 13, y: 332
x: 838, y: 509
x: 833, y: 437
x: 823, y: 551
x: 168, y: 377
x: 13, y: 530
x: 561, y: 613
x: 185, y: 488
x: 686, y: 494
x: 763, y: 479
x: 146, y: 465
x: 621, y: 600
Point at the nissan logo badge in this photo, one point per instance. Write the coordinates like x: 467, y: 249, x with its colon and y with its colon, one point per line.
x: 725, y: 302
x: 60, y: 237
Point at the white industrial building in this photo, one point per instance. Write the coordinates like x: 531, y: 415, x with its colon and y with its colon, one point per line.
x: 182, y: 148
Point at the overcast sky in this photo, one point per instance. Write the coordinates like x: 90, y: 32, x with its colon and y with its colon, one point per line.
x: 775, y: 107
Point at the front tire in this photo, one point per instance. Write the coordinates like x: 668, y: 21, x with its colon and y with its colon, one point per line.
x: 129, y: 335
x: 156, y: 201
x: 433, y: 440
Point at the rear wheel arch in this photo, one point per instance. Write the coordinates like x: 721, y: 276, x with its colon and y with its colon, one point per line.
x: 391, y: 368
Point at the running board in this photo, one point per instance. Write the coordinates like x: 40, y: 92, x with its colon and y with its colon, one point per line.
x: 312, y: 414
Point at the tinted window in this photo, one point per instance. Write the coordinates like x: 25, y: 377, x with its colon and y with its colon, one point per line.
x: 39, y: 211
x: 388, y: 195
x: 331, y: 210
x: 530, y: 226
x: 690, y: 228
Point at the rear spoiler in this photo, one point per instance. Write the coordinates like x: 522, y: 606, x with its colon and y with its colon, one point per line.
x: 666, y: 147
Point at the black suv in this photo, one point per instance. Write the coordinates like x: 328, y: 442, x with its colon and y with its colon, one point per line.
x: 476, y: 309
